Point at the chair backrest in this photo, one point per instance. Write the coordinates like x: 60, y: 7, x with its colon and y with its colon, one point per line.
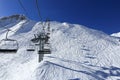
x: 8, y: 46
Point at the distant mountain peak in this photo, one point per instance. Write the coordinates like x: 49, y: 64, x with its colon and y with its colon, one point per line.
x: 116, y: 34
x: 17, y: 17
x: 12, y: 19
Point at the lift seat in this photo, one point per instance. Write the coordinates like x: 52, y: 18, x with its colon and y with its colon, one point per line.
x: 45, y: 51
x: 8, y: 50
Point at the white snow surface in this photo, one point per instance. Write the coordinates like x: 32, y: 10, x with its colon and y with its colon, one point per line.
x: 116, y: 34
x: 78, y: 53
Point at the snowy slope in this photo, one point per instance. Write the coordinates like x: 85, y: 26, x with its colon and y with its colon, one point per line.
x: 78, y: 53
x: 116, y: 34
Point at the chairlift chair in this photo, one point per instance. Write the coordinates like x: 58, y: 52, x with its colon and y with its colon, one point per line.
x: 45, y: 51
x: 31, y: 47
x: 8, y: 46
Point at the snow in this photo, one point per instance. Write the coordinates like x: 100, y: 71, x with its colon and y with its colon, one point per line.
x: 78, y: 53
x: 116, y: 34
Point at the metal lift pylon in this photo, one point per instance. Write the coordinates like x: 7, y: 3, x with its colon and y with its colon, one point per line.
x: 40, y: 40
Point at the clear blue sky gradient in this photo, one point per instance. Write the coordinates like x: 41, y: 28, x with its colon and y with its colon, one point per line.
x: 103, y: 15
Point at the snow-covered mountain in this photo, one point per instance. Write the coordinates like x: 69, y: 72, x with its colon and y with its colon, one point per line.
x: 116, y: 34
x: 78, y: 53
x: 4, y: 21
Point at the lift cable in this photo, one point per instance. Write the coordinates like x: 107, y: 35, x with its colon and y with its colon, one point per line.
x: 14, y: 32
x: 22, y: 6
x: 38, y: 10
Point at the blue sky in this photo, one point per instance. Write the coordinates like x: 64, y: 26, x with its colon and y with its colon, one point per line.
x: 103, y: 15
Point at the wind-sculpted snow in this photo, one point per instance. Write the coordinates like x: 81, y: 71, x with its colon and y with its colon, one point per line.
x: 78, y: 53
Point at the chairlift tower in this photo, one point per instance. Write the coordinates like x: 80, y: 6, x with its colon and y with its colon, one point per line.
x: 42, y: 39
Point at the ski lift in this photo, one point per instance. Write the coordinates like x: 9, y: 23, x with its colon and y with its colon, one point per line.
x: 35, y: 40
x: 45, y: 51
x: 31, y: 47
x: 8, y: 45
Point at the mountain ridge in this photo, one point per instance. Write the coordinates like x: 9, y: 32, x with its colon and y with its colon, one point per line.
x: 78, y: 53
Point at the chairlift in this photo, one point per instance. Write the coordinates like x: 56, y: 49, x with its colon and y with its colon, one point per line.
x: 8, y: 46
x: 45, y: 51
x: 47, y: 45
x: 35, y: 40
x: 31, y: 47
